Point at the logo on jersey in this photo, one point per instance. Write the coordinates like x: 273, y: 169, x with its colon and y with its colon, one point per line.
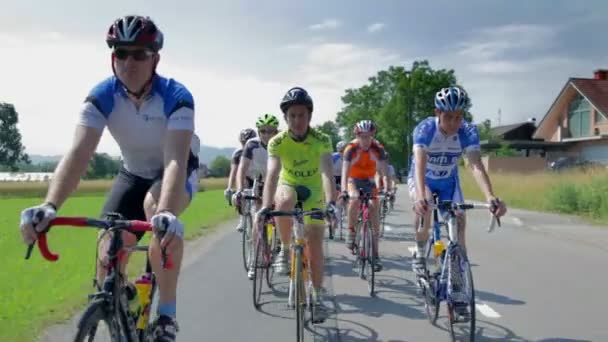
x: 297, y: 163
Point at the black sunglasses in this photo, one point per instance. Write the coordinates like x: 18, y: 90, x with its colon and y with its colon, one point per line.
x: 268, y: 131
x: 138, y: 55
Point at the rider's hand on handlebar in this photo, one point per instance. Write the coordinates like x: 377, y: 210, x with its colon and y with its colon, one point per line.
x: 343, y: 196
x: 35, y: 220
x: 421, y: 207
x: 498, y: 207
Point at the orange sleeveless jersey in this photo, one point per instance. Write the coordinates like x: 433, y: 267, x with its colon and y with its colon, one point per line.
x: 363, y: 163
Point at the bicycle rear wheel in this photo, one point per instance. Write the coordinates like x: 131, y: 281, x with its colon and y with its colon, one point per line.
x: 89, y: 327
x: 246, y: 240
x: 460, y: 274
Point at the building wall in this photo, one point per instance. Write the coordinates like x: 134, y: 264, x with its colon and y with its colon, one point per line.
x: 514, y: 164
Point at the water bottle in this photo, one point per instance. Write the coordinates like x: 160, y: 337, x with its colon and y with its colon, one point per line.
x: 144, y: 288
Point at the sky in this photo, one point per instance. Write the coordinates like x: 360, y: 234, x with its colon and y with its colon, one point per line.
x: 239, y: 57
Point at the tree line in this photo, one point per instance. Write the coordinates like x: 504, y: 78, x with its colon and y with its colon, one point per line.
x: 397, y: 99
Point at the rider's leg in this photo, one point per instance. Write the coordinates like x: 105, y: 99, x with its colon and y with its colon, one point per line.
x: 285, y: 199
x: 127, y: 192
x: 422, y: 236
x: 167, y: 278
x: 353, y: 212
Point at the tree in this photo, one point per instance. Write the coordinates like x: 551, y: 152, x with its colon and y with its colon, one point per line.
x: 102, y: 166
x: 485, y: 130
x: 220, y: 167
x: 332, y: 130
x: 397, y: 100
x: 11, y: 150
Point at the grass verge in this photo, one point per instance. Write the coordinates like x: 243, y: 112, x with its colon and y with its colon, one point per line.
x: 37, y: 293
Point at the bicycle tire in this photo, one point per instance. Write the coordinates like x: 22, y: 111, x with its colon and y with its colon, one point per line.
x: 258, y: 271
x: 274, y: 251
x: 96, y: 312
x: 467, y: 277
x: 371, y: 272
x: 300, y: 296
x: 246, y: 240
x: 362, y: 252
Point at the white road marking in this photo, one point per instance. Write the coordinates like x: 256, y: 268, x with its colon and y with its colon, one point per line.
x: 388, y: 228
x: 412, y: 249
x: 518, y: 221
x: 486, y: 310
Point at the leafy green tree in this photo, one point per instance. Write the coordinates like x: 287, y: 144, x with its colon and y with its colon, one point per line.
x: 397, y: 100
x: 12, y: 152
x: 332, y: 130
x: 220, y: 167
x: 102, y: 166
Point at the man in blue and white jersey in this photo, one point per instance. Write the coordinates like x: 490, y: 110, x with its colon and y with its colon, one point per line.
x: 152, y: 120
x: 439, y: 142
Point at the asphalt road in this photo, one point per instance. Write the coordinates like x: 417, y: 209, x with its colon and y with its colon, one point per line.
x: 541, y: 277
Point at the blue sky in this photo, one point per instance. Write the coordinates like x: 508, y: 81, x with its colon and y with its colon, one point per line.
x: 239, y: 57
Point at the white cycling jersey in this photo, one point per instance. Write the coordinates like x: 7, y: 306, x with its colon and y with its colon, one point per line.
x: 140, y: 133
x: 257, y: 152
x: 443, y: 151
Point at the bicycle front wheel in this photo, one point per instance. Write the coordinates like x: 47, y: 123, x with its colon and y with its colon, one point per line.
x: 246, y: 240
x: 461, y: 308
x: 370, y: 272
x: 259, y: 266
x: 300, y: 294
x: 97, y: 324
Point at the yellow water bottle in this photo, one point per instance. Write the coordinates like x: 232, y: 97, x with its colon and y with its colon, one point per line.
x: 438, y: 248
x: 144, y: 288
x: 269, y: 231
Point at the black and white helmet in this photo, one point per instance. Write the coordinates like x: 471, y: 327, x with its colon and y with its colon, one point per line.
x: 247, y: 134
x: 365, y: 126
x: 451, y: 99
x: 341, y: 145
x: 135, y: 30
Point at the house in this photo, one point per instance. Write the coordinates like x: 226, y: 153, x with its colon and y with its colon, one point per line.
x: 577, y: 121
x: 576, y: 125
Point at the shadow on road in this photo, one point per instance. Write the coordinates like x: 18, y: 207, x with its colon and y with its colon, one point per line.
x: 496, y: 298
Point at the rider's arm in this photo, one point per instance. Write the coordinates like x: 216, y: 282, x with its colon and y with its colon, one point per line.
x: 329, y: 182
x: 346, y: 163
x: 272, y: 178
x: 232, y: 176
x: 480, y: 174
x: 420, y: 158
x: 176, y: 151
x: 242, y: 172
x: 73, y: 165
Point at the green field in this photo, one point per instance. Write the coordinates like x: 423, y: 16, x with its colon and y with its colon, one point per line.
x: 36, y: 293
x: 579, y: 192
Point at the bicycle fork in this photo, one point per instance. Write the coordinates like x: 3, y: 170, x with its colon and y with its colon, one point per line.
x: 298, y: 248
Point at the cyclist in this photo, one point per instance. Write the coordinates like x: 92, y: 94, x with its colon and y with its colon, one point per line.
x: 391, y: 178
x: 438, y: 144
x: 244, y: 135
x: 300, y: 157
x: 337, y: 169
x: 362, y: 158
x: 152, y: 120
x: 254, y: 160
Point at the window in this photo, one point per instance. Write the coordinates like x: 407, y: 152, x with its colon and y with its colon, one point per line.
x: 579, y: 117
x: 600, y: 117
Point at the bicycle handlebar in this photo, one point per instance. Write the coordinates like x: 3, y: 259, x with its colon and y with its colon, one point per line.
x: 129, y: 225
x: 449, y: 205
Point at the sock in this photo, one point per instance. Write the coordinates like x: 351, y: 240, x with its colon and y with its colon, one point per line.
x: 420, y: 248
x: 168, y: 309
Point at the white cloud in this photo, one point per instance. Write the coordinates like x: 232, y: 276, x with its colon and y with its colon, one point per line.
x: 47, y: 82
x: 376, y: 27
x: 496, y: 41
x: 326, y: 24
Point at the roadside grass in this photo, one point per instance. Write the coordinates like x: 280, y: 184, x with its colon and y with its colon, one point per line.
x: 37, y: 293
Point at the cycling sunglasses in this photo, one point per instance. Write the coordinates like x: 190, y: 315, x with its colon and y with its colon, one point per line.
x: 138, y: 55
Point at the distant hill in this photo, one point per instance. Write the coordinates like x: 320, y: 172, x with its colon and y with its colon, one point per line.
x: 206, y: 155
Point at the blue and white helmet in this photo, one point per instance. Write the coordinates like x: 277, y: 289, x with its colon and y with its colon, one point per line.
x: 451, y: 99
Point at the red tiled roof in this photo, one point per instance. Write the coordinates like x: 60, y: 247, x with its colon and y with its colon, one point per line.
x: 596, y: 91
